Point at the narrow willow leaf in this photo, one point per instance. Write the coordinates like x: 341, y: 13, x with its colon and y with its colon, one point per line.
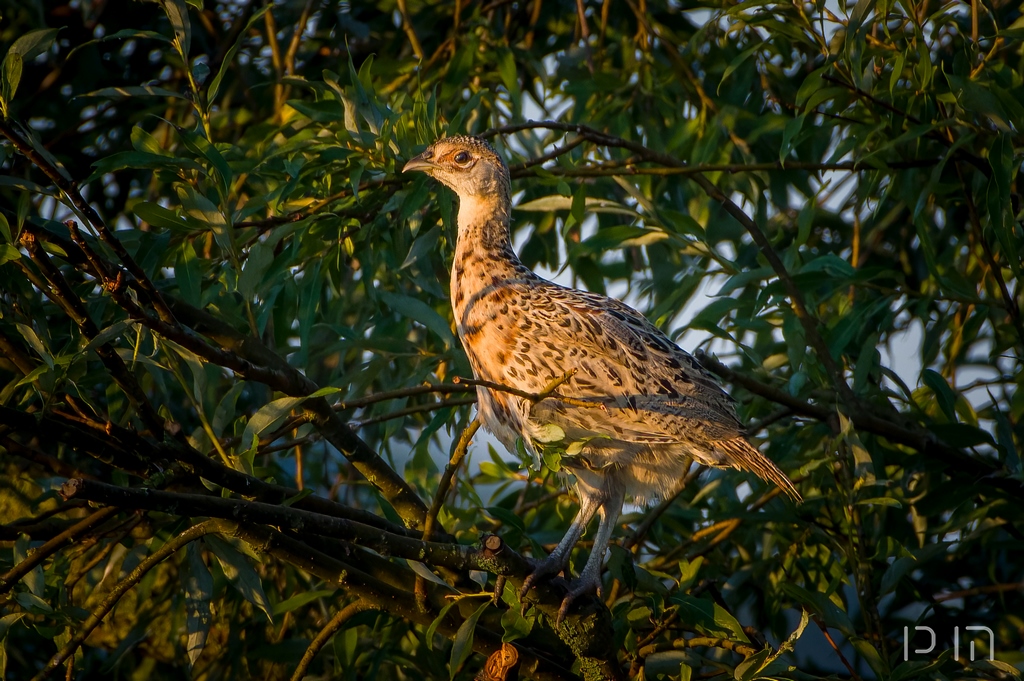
x: 240, y: 573
x: 198, y: 586
x: 463, y: 645
x: 270, y: 415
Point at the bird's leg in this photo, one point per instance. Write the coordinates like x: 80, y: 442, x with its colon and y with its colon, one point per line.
x: 589, y: 580
x: 559, y: 558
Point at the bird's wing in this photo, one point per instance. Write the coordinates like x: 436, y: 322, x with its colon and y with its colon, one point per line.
x: 643, y: 387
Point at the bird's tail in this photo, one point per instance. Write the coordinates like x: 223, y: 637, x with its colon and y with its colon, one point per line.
x: 739, y: 453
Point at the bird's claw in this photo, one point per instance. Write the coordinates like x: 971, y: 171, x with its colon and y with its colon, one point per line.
x: 541, y: 569
x: 577, y: 588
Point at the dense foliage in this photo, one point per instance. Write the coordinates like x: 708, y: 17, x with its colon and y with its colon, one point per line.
x: 224, y: 318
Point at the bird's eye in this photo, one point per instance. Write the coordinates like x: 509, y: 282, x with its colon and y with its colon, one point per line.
x: 462, y: 158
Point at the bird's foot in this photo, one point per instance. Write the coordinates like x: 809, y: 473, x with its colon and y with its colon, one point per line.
x: 541, y: 569
x: 577, y: 587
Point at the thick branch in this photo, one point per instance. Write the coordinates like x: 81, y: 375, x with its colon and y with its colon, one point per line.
x: 454, y: 556
x: 386, y: 597
x: 111, y: 445
x: 587, y: 631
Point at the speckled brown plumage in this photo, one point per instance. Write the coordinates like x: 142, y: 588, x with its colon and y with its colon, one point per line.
x: 649, y: 406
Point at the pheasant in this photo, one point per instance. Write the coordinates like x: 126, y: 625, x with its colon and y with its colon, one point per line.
x: 633, y: 407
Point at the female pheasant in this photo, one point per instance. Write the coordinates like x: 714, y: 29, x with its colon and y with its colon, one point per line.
x: 636, y: 406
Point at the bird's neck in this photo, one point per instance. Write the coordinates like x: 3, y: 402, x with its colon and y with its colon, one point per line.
x: 483, y: 250
x: 484, y: 240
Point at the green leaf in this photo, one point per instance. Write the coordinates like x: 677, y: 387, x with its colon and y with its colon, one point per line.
x: 229, y: 58
x: 943, y: 393
x: 752, y: 667
x: 833, y: 616
x: 158, y: 216
x: 12, y: 68
x: 188, y: 275
x: 132, y: 91
x: 688, y: 571
x: 910, y: 669
x: 301, y: 599
x: 792, y: 129
x: 139, y: 159
x: 552, y: 459
x: 812, y: 83
x: 112, y: 332
x: 260, y: 259
x: 34, y: 604
x: 880, y: 501
x: 432, y: 629
x: 871, y: 656
x: 509, y: 75
x: 549, y: 432
x: 463, y: 645
x: 8, y: 253
x: 507, y: 517
x: 961, y: 435
x: 203, y: 147
x: 515, y: 625
x: 709, y: 617
x: 592, y: 204
x: 177, y: 13
x: 270, y: 415
x: 25, y: 185
x: 737, y: 62
x: 238, y: 571
x: 202, y: 210
x: 424, y: 245
x: 418, y: 311
x: 34, y: 43
x: 198, y: 586
x: 29, y: 334
x: 123, y: 34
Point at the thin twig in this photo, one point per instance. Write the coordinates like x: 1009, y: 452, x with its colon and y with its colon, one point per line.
x: 978, y: 591
x: 550, y: 156
x: 410, y: 32
x: 83, y: 630
x: 744, y: 649
x: 990, y: 259
x: 12, y: 576
x: 325, y: 634
x: 67, y: 300
x: 71, y: 191
x: 831, y: 642
x: 416, y: 409
x: 616, y: 170
x: 443, y: 486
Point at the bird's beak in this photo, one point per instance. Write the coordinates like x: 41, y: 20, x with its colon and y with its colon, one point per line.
x: 424, y: 165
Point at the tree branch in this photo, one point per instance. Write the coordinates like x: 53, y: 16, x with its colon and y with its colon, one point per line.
x: 68, y: 536
x: 914, y: 437
x: 70, y: 189
x: 134, y: 577
x: 454, y: 556
x: 61, y: 294
x: 325, y: 634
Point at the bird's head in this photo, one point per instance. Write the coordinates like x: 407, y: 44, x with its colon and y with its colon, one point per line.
x: 468, y: 165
